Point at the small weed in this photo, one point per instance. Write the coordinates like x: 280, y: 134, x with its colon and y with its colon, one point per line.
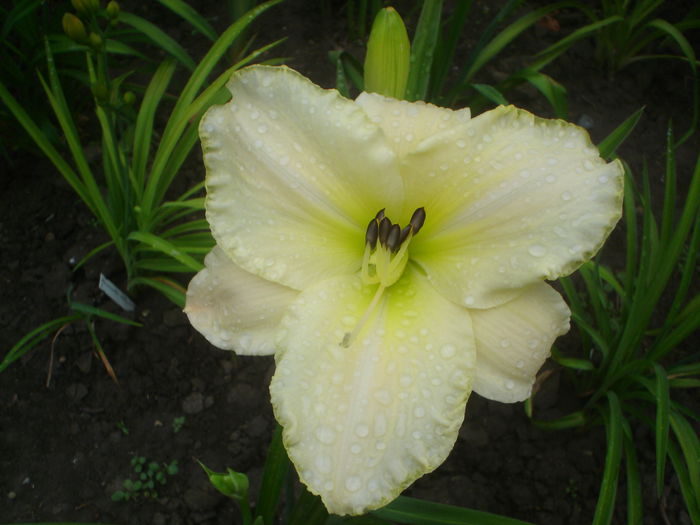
x: 178, y: 423
x: 122, y: 426
x: 149, y: 475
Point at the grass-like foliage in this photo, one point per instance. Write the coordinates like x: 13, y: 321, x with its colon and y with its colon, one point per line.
x: 139, y: 163
x: 127, y: 190
x: 434, y: 54
x: 636, y: 352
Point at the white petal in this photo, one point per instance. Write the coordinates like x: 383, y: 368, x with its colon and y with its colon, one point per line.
x: 294, y: 174
x: 361, y: 423
x: 407, y: 124
x: 510, y: 199
x: 514, y: 339
x: 234, y: 309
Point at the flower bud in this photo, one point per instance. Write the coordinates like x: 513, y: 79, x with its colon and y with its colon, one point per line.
x: 388, y: 55
x: 231, y: 484
x: 129, y: 98
x: 95, y: 41
x: 113, y: 9
x: 74, y: 28
x: 100, y: 91
x: 85, y: 6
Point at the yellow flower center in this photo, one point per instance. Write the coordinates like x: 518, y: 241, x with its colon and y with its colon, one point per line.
x: 384, y: 259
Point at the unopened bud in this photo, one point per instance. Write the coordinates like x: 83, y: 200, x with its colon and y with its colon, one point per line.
x: 129, y: 98
x: 231, y: 484
x: 95, y: 41
x: 74, y: 28
x: 100, y: 91
x: 388, y: 55
x: 113, y: 9
x: 85, y: 6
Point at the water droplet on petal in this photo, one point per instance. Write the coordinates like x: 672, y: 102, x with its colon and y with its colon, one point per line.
x: 520, y: 363
x: 509, y: 384
x: 447, y: 351
x: 566, y: 196
x: 362, y: 430
x: 536, y: 250
x: 353, y: 483
x: 325, y: 435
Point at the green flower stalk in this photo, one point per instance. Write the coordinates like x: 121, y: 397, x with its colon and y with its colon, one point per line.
x: 392, y: 256
x: 388, y: 55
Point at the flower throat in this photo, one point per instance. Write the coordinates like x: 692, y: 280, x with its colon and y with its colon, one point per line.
x: 384, y: 259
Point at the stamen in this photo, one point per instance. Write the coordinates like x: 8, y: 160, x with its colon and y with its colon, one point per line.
x: 380, y: 214
x: 384, y: 227
x: 417, y: 219
x: 350, y: 337
x: 404, y: 233
x: 393, y: 239
x: 372, y: 234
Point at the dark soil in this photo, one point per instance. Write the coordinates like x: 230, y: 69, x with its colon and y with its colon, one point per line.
x: 68, y: 433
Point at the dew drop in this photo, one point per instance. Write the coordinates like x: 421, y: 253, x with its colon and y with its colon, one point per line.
x: 419, y: 411
x: 588, y: 165
x: 325, y: 435
x: 509, y: 384
x: 448, y: 351
x: 566, y: 196
x: 461, y: 143
x: 603, y: 179
x: 520, y: 363
x: 353, y: 483
x: 355, y: 449
x: 550, y: 178
x: 536, y: 250
x: 469, y: 300
x: 505, y: 343
x: 362, y: 430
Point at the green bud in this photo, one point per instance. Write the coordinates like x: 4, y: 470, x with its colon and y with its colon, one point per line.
x: 85, y: 6
x: 74, y: 28
x: 231, y: 484
x: 113, y: 9
x: 101, y: 93
x: 388, y: 55
x: 129, y: 98
x: 95, y: 41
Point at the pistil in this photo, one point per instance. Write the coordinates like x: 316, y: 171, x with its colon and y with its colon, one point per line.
x: 384, y: 259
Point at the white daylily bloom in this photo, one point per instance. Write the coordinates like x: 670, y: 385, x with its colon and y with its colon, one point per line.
x: 381, y: 332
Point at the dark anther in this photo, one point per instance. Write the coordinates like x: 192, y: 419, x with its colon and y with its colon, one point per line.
x: 380, y: 214
x: 404, y: 233
x: 393, y: 241
x: 417, y: 220
x: 372, y: 233
x: 384, y: 227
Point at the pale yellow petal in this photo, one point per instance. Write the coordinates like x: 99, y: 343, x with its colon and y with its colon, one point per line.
x: 234, y: 309
x: 510, y: 199
x: 514, y: 339
x: 407, y: 124
x: 363, y: 422
x: 294, y: 174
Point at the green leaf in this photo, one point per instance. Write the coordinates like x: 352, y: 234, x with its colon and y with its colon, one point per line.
x: 274, y: 474
x: 419, y: 512
x: 574, y: 419
x: 167, y: 248
x: 190, y: 14
x: 423, y: 50
x: 663, y: 401
x: 608, y: 488
x: 158, y: 37
x: 89, y: 310
x: 490, y: 93
x: 33, y: 338
x: 609, y: 144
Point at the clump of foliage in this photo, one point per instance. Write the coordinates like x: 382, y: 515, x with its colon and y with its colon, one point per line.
x: 149, y: 476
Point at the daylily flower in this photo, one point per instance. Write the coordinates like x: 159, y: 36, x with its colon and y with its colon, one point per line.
x: 392, y: 256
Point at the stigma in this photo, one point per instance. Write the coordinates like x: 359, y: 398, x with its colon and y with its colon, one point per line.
x: 386, y: 248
